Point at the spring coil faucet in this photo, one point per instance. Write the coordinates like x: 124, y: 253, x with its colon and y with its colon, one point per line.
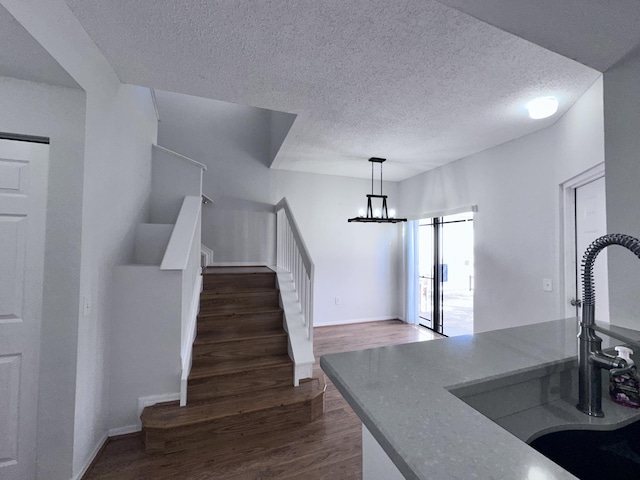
x: 591, y: 359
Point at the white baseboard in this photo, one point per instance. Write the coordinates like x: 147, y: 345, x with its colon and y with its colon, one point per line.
x: 114, y: 432
x: 354, y: 320
x: 91, y: 457
x: 238, y: 264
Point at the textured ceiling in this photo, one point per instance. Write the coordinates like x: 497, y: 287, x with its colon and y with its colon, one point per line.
x: 21, y: 56
x: 415, y: 81
x: 597, y: 33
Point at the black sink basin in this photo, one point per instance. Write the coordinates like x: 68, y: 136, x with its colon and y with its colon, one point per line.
x: 597, y: 455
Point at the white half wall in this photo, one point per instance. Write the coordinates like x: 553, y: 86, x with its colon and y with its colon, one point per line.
x: 517, y: 230
x: 145, y: 347
x: 622, y: 141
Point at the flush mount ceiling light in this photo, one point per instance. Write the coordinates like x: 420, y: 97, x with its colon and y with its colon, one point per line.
x: 379, y: 215
x: 542, y: 107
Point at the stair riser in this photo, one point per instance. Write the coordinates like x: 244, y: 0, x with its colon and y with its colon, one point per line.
x: 240, y: 324
x: 254, y: 347
x: 235, y: 383
x: 228, y: 303
x: 231, y: 283
x: 249, y: 427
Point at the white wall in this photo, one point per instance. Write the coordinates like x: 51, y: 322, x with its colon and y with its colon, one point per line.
x: 622, y: 140
x: 234, y: 142
x: 57, y: 113
x: 172, y: 178
x: 517, y: 228
x: 101, y: 195
x: 121, y: 127
x: 355, y: 262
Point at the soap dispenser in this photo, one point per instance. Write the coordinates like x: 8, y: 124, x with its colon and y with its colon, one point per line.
x: 624, y: 388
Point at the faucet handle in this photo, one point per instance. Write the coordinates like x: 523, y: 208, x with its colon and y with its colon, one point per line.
x: 623, y: 369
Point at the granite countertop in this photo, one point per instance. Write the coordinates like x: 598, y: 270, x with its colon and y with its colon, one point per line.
x: 402, y: 394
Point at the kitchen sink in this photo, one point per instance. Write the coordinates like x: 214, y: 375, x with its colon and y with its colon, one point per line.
x: 538, y: 406
x: 597, y: 455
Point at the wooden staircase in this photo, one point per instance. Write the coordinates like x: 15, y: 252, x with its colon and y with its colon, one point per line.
x: 241, y: 383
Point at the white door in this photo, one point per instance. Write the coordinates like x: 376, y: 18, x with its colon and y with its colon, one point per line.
x: 23, y: 190
x: 591, y: 223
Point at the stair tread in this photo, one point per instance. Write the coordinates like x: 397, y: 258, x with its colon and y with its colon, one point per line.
x: 235, y: 366
x: 209, y: 293
x: 214, y: 292
x: 208, y: 338
x: 171, y: 415
x: 239, y: 310
x: 251, y: 270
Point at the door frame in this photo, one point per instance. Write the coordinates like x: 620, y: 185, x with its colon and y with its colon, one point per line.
x: 569, y: 267
x: 438, y: 222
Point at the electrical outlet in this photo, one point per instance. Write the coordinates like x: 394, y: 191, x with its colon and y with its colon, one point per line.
x: 337, y: 300
x: 547, y: 285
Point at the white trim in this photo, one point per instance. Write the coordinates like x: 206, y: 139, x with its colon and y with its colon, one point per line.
x: 208, y: 253
x: 181, y: 157
x: 567, y: 235
x: 442, y: 213
x: 155, y: 103
x: 187, y: 345
x: 355, y: 320
x: 300, y: 345
x: 238, y: 264
x: 126, y: 430
x: 176, y: 256
x: 94, y: 453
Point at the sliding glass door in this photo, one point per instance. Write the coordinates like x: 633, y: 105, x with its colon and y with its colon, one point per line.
x: 446, y: 274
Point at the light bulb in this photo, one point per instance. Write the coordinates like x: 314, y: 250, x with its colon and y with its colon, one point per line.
x: 542, y: 107
x: 392, y: 213
x: 377, y: 213
x: 361, y: 212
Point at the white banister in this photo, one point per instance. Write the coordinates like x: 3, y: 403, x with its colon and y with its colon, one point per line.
x: 176, y: 256
x: 179, y: 156
x: 293, y: 256
x: 183, y: 254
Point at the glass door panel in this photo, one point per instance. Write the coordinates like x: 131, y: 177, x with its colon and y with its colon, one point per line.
x: 445, y: 272
x: 457, y: 275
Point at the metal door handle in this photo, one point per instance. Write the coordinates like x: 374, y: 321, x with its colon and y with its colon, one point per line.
x: 576, y: 302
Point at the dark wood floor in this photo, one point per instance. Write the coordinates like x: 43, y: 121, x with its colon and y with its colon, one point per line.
x: 328, y: 448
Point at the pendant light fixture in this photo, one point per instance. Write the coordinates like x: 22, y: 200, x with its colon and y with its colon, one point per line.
x: 382, y: 215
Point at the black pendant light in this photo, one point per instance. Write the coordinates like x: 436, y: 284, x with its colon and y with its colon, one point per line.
x: 384, y: 213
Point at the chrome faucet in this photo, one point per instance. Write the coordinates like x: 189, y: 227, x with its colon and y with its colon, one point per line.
x: 591, y: 358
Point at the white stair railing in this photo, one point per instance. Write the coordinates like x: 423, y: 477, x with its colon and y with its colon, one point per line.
x: 295, y: 272
x: 293, y: 256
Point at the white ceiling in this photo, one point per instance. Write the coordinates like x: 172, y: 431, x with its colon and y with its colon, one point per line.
x: 416, y: 81
x: 22, y: 57
x: 596, y: 33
